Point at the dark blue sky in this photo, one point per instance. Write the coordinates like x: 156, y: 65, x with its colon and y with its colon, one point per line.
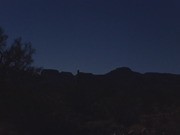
x: 97, y: 35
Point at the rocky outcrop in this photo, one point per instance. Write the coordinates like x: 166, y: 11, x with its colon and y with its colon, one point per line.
x: 50, y: 73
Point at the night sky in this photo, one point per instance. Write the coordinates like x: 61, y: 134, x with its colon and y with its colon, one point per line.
x: 97, y: 35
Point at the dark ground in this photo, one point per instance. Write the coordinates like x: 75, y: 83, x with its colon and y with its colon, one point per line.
x: 119, y: 102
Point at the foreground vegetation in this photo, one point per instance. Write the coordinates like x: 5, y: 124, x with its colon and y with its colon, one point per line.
x: 120, y: 102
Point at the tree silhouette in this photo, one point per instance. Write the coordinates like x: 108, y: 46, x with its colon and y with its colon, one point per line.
x: 3, y: 38
x: 18, y: 56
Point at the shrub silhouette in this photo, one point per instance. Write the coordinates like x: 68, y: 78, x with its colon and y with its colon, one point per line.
x: 18, y: 56
x: 3, y: 38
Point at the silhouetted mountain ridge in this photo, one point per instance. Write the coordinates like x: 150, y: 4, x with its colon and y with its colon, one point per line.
x: 121, y: 70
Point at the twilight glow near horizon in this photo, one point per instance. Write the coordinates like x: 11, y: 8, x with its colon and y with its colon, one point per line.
x: 97, y: 35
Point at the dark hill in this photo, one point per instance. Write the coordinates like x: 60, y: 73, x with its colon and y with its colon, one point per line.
x: 119, y: 102
x: 120, y: 71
